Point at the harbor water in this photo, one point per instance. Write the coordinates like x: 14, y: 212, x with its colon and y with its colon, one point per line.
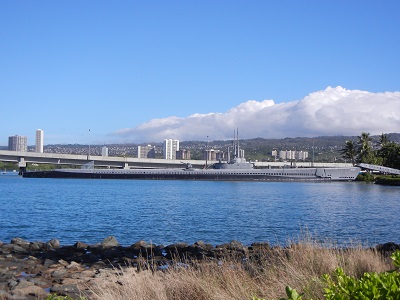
x: 168, y: 211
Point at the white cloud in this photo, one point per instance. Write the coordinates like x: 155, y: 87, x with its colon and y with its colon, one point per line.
x: 333, y: 111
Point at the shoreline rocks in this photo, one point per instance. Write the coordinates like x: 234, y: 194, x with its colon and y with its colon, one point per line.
x: 32, y: 270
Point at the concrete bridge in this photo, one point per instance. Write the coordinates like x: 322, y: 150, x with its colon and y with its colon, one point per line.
x: 22, y: 158
x: 380, y: 169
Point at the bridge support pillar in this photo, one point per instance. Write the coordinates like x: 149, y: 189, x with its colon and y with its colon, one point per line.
x: 22, y: 165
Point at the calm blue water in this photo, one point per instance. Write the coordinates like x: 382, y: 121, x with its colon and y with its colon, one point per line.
x: 164, y: 212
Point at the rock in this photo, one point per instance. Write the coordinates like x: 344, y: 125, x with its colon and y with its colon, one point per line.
x: 1, y: 243
x: 90, y: 258
x: 144, y: 249
x: 388, y: 247
x: 80, y: 245
x: 66, y: 288
x: 12, y: 284
x: 32, y: 290
x: 110, y: 242
x: 174, y: 250
x: 139, y: 244
x: 21, y: 283
x: 37, y: 282
x: 48, y: 262
x: 176, y: 247
x: 203, y: 245
x: 4, y: 295
x: 59, y: 273
x: 19, y: 242
x: 74, y: 266
x: 53, y: 243
x: 261, y: 245
x: 195, y: 251
x: 63, y: 262
x: 17, y: 249
x: 86, y: 274
x: 36, y: 246
x: 236, y: 245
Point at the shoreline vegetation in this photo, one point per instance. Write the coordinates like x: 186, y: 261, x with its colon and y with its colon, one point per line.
x: 392, y: 180
x: 107, y: 270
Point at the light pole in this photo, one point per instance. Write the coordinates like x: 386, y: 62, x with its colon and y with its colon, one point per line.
x: 207, y: 152
x: 89, y: 147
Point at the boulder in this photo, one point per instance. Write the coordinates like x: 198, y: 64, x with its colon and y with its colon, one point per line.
x: 236, y: 246
x: 80, y: 245
x: 176, y: 247
x: 145, y: 249
x: 204, y: 246
x: 65, y: 289
x: 33, y: 290
x: 36, y: 246
x: 110, y: 242
x: 19, y: 242
x: 14, y: 248
x: 21, y: 283
x: 59, y: 272
x: 53, y: 244
x: 139, y: 244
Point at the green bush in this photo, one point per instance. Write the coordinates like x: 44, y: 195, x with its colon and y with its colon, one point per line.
x: 371, y: 286
x: 367, y: 176
x: 382, y: 286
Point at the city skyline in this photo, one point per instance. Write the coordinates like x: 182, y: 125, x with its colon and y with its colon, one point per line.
x: 142, y: 72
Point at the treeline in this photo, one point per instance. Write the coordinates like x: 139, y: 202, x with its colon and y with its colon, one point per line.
x: 364, y: 149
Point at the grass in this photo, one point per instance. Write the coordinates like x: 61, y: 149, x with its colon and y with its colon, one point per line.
x: 264, y: 274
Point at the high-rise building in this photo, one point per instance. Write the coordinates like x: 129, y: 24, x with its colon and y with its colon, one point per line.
x: 18, y: 143
x: 104, y: 151
x: 39, y: 140
x: 146, y: 151
x: 170, y: 148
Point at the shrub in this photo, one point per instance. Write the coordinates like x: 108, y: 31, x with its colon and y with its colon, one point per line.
x: 382, y: 286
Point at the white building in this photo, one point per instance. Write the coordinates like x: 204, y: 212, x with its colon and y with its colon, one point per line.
x: 302, y: 155
x: 292, y: 155
x: 39, y: 141
x: 146, y: 151
x: 170, y: 148
x: 104, y: 151
x: 18, y: 143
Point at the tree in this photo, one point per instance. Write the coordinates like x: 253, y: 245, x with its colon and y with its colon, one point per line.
x: 384, y: 139
x: 390, y: 154
x: 365, y: 153
x: 349, y: 151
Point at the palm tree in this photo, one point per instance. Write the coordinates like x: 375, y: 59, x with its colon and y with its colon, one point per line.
x: 384, y: 139
x: 364, y: 147
x: 349, y: 151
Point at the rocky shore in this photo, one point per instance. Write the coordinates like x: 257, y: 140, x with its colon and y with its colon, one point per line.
x: 33, y: 270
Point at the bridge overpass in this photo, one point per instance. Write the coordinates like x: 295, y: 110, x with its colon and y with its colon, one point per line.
x: 380, y: 169
x: 23, y: 158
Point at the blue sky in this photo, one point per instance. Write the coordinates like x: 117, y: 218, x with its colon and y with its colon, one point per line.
x: 115, y: 67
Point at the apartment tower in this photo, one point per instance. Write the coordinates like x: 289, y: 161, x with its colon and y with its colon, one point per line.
x: 18, y: 143
x: 170, y: 148
x: 39, y: 141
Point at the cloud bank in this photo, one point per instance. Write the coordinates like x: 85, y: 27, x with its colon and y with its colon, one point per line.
x: 333, y: 111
